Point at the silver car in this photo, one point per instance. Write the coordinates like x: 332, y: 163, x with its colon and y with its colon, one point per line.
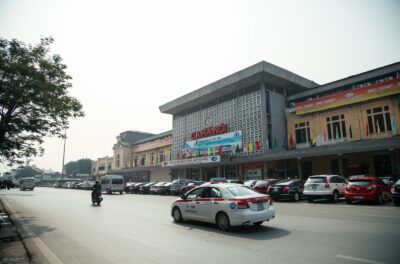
x: 329, y: 187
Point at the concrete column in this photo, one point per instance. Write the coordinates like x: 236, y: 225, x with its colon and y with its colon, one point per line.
x: 265, y: 176
x: 299, y: 168
x: 241, y: 176
x: 219, y: 171
x: 201, y: 178
x: 393, y: 164
x: 340, y: 161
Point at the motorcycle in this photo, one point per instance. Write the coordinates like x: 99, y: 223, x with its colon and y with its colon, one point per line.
x: 97, y: 198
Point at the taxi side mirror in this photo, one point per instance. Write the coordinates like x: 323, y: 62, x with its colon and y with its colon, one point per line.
x: 183, y: 197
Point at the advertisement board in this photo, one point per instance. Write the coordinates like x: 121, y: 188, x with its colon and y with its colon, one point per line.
x: 192, y: 161
x: 349, y: 97
x: 219, y: 143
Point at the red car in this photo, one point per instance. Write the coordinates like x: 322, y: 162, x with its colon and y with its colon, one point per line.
x: 367, y: 189
x: 262, y: 186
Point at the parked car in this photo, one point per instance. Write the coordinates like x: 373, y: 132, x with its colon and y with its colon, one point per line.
x: 367, y: 189
x: 235, y: 181
x: 164, y: 189
x: 136, y: 187
x: 388, y: 180
x: 145, y: 188
x: 287, y: 189
x: 395, y: 190
x: 178, y: 185
x: 224, y: 204
x: 250, y: 183
x: 263, y: 185
x: 329, y: 187
x: 217, y: 180
x: 155, y: 189
x: 191, y: 186
x: 128, y: 187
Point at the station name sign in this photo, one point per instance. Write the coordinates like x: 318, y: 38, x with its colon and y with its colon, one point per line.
x: 210, y: 131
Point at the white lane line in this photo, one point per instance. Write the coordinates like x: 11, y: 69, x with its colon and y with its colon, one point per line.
x: 384, y: 216
x: 359, y: 259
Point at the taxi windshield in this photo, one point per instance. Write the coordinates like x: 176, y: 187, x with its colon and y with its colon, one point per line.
x: 241, y: 191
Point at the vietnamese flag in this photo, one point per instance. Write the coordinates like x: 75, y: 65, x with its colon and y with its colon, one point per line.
x: 244, y: 147
x: 258, y: 145
x: 291, y: 141
x: 220, y: 149
x: 366, y: 130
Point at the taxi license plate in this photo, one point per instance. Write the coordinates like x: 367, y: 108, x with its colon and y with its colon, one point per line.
x: 260, y: 206
x: 358, y: 197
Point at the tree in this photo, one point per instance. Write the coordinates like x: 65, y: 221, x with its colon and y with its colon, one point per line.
x: 79, y: 166
x: 34, y: 101
x: 26, y: 171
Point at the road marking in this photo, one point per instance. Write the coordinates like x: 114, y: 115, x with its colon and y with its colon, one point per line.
x: 359, y: 259
x: 384, y: 216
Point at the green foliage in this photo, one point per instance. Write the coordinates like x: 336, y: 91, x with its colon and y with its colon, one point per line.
x: 34, y: 101
x: 79, y: 166
x: 26, y: 171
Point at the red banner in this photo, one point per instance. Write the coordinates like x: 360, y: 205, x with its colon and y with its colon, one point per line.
x: 349, y: 97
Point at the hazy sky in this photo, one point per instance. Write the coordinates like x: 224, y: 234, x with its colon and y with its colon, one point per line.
x: 129, y: 57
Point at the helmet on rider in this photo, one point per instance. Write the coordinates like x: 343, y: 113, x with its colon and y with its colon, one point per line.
x: 97, y: 182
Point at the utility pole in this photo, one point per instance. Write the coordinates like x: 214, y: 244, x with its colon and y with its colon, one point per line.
x: 62, y: 169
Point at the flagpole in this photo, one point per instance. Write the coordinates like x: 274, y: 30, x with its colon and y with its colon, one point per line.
x: 62, y: 169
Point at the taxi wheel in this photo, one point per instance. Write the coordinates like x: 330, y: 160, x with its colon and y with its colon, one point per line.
x: 176, y: 213
x: 223, y: 221
x: 258, y: 223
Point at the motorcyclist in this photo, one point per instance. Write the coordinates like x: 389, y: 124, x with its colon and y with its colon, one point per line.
x: 96, y: 188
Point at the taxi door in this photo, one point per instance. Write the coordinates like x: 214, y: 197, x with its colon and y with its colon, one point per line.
x: 208, y: 203
x: 191, y: 207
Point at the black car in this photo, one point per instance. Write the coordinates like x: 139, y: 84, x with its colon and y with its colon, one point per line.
x: 287, y: 189
x: 136, y: 187
x: 145, y: 188
x: 396, y: 192
x: 178, y: 186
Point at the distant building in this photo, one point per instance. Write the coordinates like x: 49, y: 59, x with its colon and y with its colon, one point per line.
x: 102, y: 166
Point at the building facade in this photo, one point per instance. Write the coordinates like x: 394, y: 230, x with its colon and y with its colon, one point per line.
x: 138, y: 157
x: 102, y: 166
x: 260, y: 123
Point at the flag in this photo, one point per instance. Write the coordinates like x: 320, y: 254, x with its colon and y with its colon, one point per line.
x: 324, y: 136
x: 237, y: 149
x: 258, y: 145
x: 209, y: 151
x: 214, y: 150
x: 250, y: 146
x: 394, y: 128
x: 194, y: 153
x: 366, y: 130
x: 378, y: 130
x: 274, y: 143
x: 313, y: 139
x: 291, y: 141
x: 337, y: 132
x: 220, y: 149
x: 350, y: 132
x: 204, y: 152
x: 244, y: 147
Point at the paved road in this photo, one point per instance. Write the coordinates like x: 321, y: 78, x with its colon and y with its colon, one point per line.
x: 65, y: 228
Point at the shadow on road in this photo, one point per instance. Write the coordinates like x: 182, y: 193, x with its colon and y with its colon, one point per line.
x: 37, y: 229
x: 262, y: 232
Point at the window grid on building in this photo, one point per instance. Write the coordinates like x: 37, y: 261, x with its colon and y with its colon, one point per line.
x: 379, y: 120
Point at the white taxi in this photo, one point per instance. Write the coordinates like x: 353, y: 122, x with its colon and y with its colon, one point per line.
x: 224, y: 204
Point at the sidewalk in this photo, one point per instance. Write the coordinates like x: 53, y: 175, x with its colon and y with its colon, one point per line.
x: 12, y: 249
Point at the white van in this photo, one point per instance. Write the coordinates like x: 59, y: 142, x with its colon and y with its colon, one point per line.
x: 112, y: 183
x: 27, y: 184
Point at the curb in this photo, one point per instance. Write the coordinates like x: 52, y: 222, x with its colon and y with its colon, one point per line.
x: 13, y: 249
